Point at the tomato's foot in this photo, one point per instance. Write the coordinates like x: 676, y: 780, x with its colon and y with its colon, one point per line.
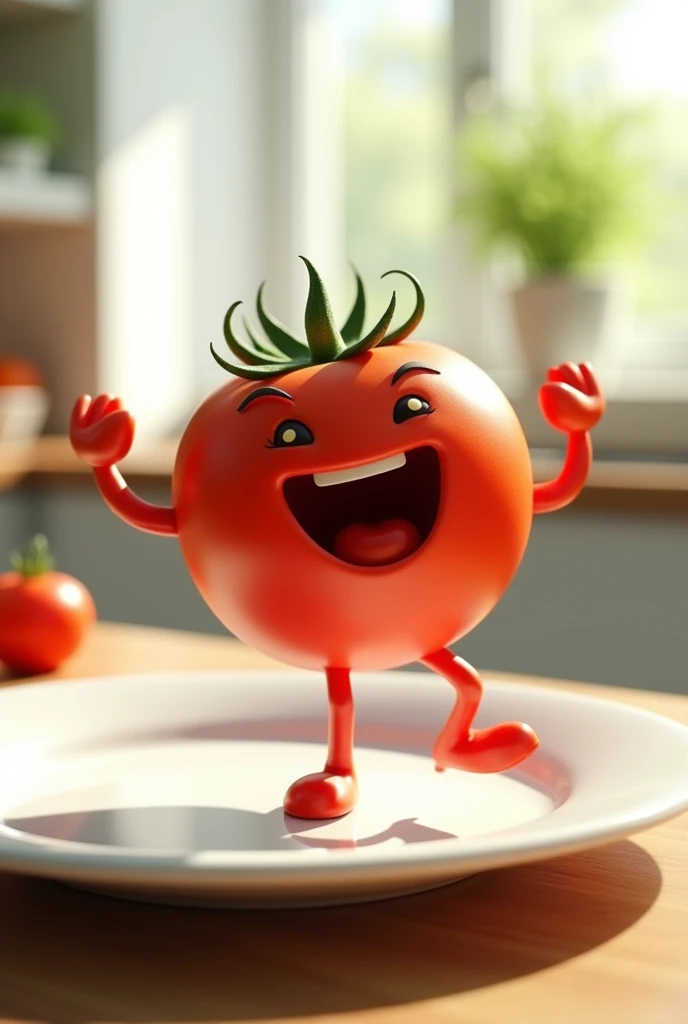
x: 322, y: 795
x: 487, y: 750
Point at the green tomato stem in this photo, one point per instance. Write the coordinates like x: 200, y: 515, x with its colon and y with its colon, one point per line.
x: 36, y: 560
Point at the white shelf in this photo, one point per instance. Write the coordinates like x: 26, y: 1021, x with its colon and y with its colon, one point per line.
x: 17, y: 9
x: 43, y: 199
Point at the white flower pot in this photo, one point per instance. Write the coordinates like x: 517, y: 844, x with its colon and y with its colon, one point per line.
x: 558, y: 319
x: 25, y: 155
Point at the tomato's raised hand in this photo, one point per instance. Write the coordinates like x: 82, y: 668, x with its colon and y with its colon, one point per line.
x: 571, y: 400
x: 101, y: 431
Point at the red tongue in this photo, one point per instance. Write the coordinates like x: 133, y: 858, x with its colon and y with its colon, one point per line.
x: 363, y: 544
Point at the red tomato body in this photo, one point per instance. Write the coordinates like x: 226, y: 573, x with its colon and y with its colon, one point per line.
x: 259, y: 535
x: 43, y: 620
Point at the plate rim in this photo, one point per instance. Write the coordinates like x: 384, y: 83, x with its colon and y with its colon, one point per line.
x: 276, y: 869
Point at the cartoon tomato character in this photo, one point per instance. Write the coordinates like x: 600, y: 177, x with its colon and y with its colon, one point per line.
x: 355, y: 502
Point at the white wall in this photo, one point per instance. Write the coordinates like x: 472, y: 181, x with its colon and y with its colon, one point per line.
x: 181, y: 223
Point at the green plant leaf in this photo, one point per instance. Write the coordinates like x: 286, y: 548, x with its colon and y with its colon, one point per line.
x: 557, y: 185
x: 25, y: 115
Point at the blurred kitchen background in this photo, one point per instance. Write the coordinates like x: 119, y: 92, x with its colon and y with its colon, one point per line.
x: 527, y: 159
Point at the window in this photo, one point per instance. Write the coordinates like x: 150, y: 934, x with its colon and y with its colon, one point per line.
x: 347, y: 139
x: 398, y: 61
x: 395, y: 65
x: 633, y: 51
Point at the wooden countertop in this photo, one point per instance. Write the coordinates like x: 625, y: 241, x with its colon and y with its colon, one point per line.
x: 51, y: 459
x: 637, y: 485
x: 599, y: 936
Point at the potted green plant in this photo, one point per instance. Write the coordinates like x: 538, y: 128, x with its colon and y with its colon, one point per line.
x: 28, y: 132
x: 561, y: 190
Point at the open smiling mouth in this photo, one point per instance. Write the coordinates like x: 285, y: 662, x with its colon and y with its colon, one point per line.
x: 375, y: 514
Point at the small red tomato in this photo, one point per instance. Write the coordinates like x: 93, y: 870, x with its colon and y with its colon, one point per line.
x: 43, y: 614
x: 16, y: 372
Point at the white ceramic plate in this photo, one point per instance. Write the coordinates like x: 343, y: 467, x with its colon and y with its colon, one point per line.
x: 170, y: 787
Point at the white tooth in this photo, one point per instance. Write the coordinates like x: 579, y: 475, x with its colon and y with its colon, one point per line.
x: 342, y: 476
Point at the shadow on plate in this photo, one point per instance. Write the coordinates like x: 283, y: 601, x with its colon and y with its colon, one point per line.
x: 71, y: 957
x: 173, y: 829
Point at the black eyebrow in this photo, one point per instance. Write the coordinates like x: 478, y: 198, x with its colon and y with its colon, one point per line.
x: 264, y: 393
x: 407, y: 367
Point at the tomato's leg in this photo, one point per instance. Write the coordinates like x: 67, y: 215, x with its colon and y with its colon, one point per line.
x: 475, y: 750
x: 332, y: 792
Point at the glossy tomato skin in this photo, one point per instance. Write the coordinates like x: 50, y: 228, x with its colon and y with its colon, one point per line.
x: 43, y: 620
x: 275, y: 588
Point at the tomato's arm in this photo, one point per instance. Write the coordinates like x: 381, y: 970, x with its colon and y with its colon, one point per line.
x: 132, y: 509
x: 554, y: 494
x: 102, y: 432
x: 571, y: 401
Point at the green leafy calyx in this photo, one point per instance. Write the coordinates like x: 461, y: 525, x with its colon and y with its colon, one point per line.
x: 36, y: 560
x: 281, y: 352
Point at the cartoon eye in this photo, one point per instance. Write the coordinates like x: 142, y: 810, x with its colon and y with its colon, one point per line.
x: 291, y: 434
x: 410, y: 406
